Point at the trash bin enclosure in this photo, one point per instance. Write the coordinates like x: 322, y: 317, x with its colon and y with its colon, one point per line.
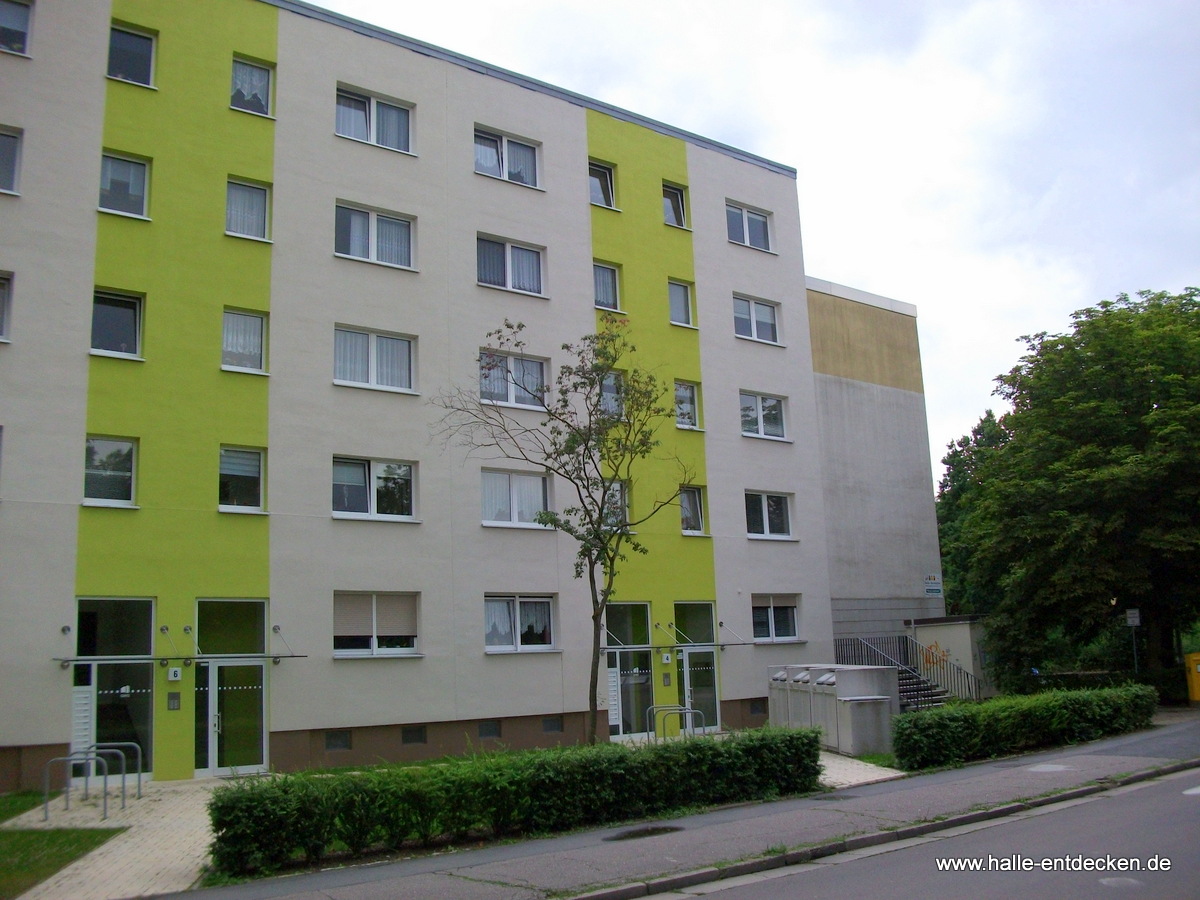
x: 851, y: 705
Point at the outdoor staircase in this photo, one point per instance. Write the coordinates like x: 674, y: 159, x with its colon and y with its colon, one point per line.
x: 926, y: 677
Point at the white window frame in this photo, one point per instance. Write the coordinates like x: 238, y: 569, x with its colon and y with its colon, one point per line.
x: 123, y: 503
x: 681, y: 418
x: 262, y: 189
x: 495, y: 605
x: 374, y: 217
x: 763, y: 499
x: 753, y: 305
x: 138, y: 303
x: 376, y: 469
x: 680, y: 195
x: 261, y: 505
x: 10, y: 181
x: 136, y: 32
x: 372, y: 103
x: 503, y: 144
x: 489, y: 360
x: 225, y: 341
x: 144, y: 164
x: 510, y: 248
x: 673, y: 285
x: 6, y: 291
x: 696, y: 495
x: 602, y: 179
x: 373, y: 360
x: 597, y: 269
x: 261, y: 67
x: 612, y: 394
x: 745, y: 214
x: 616, y: 505
x: 760, y: 422
x: 513, y: 479
x: 23, y: 50
x: 772, y: 602
x: 402, y: 598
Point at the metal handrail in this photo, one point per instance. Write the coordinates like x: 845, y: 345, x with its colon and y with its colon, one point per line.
x: 912, y: 657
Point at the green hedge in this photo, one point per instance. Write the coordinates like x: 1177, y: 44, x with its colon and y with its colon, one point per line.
x: 1171, y: 684
x: 954, y: 734
x: 262, y: 823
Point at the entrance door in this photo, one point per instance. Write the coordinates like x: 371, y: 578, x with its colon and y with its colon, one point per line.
x: 230, y: 717
x: 696, y: 673
x: 112, y: 703
x: 630, y: 691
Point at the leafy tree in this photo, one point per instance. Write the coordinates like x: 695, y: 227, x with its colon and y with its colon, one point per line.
x: 597, y: 429
x: 1090, y: 503
x: 957, y: 492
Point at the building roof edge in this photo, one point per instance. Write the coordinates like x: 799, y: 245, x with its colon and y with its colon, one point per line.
x: 854, y: 294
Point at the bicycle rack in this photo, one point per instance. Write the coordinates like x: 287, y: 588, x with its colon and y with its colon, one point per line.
x: 666, y: 710
x: 117, y: 745
x: 79, y: 756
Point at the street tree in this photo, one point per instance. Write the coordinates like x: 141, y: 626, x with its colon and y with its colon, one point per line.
x: 1089, y: 504
x: 595, y: 430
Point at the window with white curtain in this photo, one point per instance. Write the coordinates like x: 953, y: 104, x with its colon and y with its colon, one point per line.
x: 747, y: 226
x: 518, y: 380
x: 513, y: 623
x: 363, y: 358
x: 240, y: 482
x: 691, y: 510
x: 756, y: 319
x: 123, y: 185
x: 605, y: 282
x: 687, y: 407
x: 503, y: 264
x: 612, y: 394
x: 14, y: 26
x: 243, y: 341
x: 251, y: 88
x: 363, y: 117
x: 246, y: 210
x: 774, y: 616
x: 679, y: 298
x: 372, y: 489
x: 513, y: 498
x: 374, y: 624
x: 500, y: 156
x: 762, y: 416
x: 366, y: 234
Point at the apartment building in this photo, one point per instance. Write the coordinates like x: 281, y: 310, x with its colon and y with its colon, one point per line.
x: 243, y: 245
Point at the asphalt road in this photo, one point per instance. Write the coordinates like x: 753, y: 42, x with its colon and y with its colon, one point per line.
x: 1147, y: 822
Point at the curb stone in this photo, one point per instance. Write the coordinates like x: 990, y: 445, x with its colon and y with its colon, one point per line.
x: 832, y: 848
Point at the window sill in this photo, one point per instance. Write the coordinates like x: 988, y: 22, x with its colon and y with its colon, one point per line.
x: 616, y: 209
x: 611, y: 310
x: 768, y: 437
x: 108, y: 504
x: 523, y: 651
x: 778, y: 538
x: 694, y: 428
x: 696, y: 534
x: 141, y: 217
x: 251, y: 112
x: 786, y: 640
x: 376, y: 262
x: 366, y: 517
x: 754, y: 340
x: 347, y: 137
x: 509, y: 405
x: 490, y: 176
x: 678, y: 227
x: 249, y: 237
x: 140, y: 84
x: 4, y: 340
x: 242, y: 371
x: 376, y: 387
x: 518, y: 526
x: 509, y: 290
x: 113, y: 354
x: 15, y: 53
x: 407, y: 654
x: 7, y: 193
x: 243, y: 510
x: 752, y: 247
x: 687, y: 325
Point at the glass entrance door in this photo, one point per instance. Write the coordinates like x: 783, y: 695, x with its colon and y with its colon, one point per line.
x: 630, y: 691
x: 696, y: 673
x: 230, y: 718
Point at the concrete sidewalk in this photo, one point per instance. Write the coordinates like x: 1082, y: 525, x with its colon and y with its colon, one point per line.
x: 165, y: 848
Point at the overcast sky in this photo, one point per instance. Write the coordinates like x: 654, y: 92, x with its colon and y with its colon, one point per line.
x: 997, y: 163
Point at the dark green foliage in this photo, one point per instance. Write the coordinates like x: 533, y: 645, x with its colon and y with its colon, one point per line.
x: 952, y: 735
x: 262, y: 823
x: 1084, y: 500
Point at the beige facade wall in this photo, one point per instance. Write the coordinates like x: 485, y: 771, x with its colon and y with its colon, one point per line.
x: 864, y: 342
x: 55, y: 96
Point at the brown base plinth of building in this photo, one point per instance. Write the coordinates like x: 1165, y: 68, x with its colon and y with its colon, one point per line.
x: 22, y: 768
